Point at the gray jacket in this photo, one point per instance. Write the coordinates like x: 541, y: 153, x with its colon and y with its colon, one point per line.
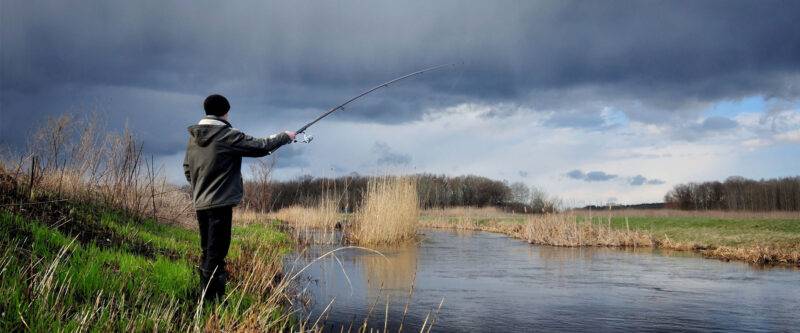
x: 213, y: 161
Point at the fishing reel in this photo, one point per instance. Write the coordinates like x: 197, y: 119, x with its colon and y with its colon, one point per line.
x: 304, y: 139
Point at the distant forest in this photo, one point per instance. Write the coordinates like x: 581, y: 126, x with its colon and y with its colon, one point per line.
x: 440, y: 191
x: 435, y: 191
x: 737, y: 193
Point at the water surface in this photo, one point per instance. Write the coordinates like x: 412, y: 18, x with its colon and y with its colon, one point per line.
x: 490, y: 282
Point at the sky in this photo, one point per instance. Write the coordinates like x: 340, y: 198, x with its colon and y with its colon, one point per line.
x: 592, y: 101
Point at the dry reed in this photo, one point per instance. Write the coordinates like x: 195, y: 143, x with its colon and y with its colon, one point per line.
x: 547, y: 229
x: 314, y: 224
x: 567, y: 230
x: 573, y: 228
x: 717, y: 214
x: 77, y: 160
x: 389, y: 212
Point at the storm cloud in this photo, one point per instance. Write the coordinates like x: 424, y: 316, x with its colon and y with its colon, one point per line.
x: 627, y: 91
x: 139, y: 61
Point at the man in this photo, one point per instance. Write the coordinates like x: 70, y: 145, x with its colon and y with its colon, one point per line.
x: 212, y: 166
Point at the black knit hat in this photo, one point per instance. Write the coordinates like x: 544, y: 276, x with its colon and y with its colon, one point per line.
x: 216, y: 105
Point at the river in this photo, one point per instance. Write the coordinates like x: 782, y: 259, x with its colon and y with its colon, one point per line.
x: 493, y: 283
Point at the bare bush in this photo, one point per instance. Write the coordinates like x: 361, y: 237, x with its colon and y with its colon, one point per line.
x: 77, y: 160
x: 257, y: 189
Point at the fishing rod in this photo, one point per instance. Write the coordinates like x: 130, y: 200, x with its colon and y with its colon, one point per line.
x: 307, y: 139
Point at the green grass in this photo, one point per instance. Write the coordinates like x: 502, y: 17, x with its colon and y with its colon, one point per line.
x: 139, y: 275
x: 705, y: 231
x: 775, y: 233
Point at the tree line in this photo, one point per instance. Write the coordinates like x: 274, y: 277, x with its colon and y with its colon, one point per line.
x: 435, y: 191
x: 737, y: 193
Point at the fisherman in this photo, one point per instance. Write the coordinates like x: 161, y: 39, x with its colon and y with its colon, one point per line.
x: 212, y: 166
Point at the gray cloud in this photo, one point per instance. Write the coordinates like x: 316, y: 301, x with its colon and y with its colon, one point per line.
x: 290, y: 156
x: 718, y: 124
x: 640, y: 180
x: 601, y: 176
x: 708, y: 127
x: 591, y: 176
x: 576, y: 174
x: 388, y: 157
x: 598, y: 176
x: 150, y: 63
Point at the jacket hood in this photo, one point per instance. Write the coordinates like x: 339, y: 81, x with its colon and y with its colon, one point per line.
x: 204, y: 134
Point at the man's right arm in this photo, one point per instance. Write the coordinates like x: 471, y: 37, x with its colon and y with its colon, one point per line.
x: 249, y: 146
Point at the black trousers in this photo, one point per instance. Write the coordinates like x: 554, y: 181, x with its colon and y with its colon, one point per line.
x: 215, y: 239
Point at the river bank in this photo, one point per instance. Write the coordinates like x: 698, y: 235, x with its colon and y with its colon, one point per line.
x: 80, y: 266
x: 768, y: 238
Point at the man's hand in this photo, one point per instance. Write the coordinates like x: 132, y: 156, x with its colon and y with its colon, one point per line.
x: 291, y: 134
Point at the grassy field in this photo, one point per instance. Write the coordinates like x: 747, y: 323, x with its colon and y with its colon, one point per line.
x: 754, y: 237
x: 706, y: 231
x: 77, y: 267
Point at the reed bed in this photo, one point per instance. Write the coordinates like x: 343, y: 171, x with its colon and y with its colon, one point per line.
x: 316, y: 224
x: 759, y: 238
x: 568, y: 230
x: 325, y: 215
x: 474, y: 213
x: 716, y: 214
x: 389, y: 212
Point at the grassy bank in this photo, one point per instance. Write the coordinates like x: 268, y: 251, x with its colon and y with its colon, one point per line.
x: 766, y: 238
x: 68, y: 266
x: 754, y: 239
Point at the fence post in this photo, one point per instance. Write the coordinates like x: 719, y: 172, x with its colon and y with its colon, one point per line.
x: 33, y: 177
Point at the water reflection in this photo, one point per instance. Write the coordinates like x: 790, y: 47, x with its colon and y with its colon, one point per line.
x: 392, y: 274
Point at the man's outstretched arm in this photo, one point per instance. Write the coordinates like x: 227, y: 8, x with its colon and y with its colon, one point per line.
x: 249, y: 146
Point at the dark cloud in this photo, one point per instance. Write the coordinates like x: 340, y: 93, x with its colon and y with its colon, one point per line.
x: 591, y: 176
x: 150, y: 63
x: 388, y: 157
x: 290, y: 156
x: 522, y: 173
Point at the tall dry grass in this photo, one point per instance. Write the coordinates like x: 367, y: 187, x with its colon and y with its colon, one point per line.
x: 76, y: 159
x: 472, y: 218
x: 561, y: 229
x: 324, y: 215
x: 717, y: 214
x: 315, y: 224
x: 568, y: 230
x: 389, y: 212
